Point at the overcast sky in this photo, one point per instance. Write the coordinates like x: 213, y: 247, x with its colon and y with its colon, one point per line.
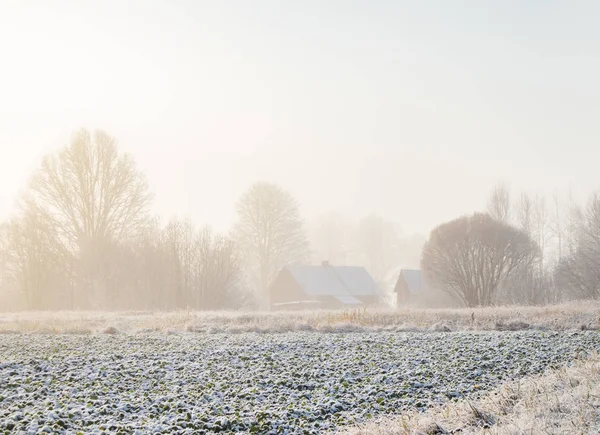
x: 411, y: 110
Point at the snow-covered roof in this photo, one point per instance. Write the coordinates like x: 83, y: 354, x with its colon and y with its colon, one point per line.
x: 344, y: 283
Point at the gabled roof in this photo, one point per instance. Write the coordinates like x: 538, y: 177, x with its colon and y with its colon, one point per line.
x: 415, y: 281
x: 344, y: 283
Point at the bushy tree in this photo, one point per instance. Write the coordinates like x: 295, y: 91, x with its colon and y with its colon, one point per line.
x: 469, y: 257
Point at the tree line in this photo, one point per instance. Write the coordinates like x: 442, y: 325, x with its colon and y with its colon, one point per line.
x: 519, y: 251
x: 83, y: 237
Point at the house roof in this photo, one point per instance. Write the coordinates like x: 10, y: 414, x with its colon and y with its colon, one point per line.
x: 415, y: 281
x: 344, y: 283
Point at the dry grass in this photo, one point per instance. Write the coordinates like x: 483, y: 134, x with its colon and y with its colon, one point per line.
x: 561, y: 401
x: 574, y: 315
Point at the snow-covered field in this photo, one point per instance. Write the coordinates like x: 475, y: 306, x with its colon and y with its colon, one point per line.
x: 294, y: 382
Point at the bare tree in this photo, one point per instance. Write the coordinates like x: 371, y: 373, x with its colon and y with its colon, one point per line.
x: 574, y: 221
x: 202, y: 267
x: 540, y: 231
x: 524, y: 213
x: 270, y: 232
x: 498, y: 206
x: 178, y: 240
x: 557, y: 223
x: 94, y: 196
x: 579, y: 273
x: 151, y: 266
x: 39, y: 260
x: 84, y: 239
x: 218, y: 271
x: 92, y: 191
x: 530, y: 283
x: 470, y: 256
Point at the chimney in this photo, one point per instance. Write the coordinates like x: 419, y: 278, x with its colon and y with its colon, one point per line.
x: 325, y: 263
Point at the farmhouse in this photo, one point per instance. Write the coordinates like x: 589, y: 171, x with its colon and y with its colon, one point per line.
x: 324, y: 286
x: 412, y: 289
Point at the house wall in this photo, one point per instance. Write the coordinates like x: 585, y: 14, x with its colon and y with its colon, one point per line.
x: 285, y: 289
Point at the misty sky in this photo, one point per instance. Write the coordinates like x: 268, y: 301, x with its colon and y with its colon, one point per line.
x: 411, y: 110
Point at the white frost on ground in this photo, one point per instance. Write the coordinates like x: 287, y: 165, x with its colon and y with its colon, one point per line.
x: 560, y: 401
x: 298, y: 382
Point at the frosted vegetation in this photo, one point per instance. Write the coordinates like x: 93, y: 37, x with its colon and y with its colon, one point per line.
x: 298, y: 382
x: 573, y: 315
x: 559, y: 401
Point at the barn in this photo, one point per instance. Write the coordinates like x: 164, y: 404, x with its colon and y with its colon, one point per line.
x: 323, y: 287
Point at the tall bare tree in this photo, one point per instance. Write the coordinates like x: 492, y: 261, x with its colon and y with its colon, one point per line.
x: 530, y: 283
x: 202, y: 269
x: 178, y: 239
x: 218, y: 271
x: 558, y: 223
x: 574, y: 221
x: 270, y: 233
x: 524, y: 213
x: 499, y: 203
x: 540, y: 232
x: 94, y: 196
x: 151, y: 265
x: 579, y: 273
x: 470, y: 256
x: 92, y: 191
